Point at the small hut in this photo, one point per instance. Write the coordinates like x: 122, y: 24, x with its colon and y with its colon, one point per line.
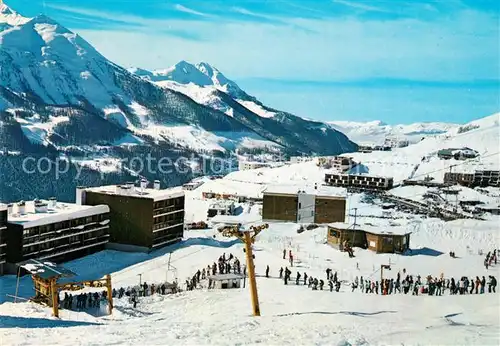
x: 382, y: 240
x: 226, y: 281
x: 376, y: 238
x: 340, y: 232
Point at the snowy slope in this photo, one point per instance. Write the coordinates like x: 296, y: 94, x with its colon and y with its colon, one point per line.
x: 419, y: 159
x: 62, y: 69
x: 10, y: 17
x: 208, y: 86
x: 375, y: 132
x: 290, y: 314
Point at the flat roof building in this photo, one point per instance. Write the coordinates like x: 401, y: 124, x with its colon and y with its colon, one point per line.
x: 247, y: 165
x: 318, y: 204
x: 3, y: 231
x: 226, y: 281
x: 234, y: 220
x: 221, y: 207
x: 381, y: 239
x: 360, y: 181
x: 55, y: 231
x: 143, y: 218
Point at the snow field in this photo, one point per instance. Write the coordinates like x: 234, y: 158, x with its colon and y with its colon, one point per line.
x: 290, y: 314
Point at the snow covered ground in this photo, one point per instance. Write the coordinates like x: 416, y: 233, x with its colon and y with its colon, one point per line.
x: 290, y: 314
x: 375, y: 132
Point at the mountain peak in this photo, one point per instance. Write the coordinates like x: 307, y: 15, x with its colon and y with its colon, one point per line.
x: 9, y: 16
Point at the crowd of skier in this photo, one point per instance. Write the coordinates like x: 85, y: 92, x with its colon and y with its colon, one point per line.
x: 409, y: 284
x: 403, y: 284
x: 83, y: 301
x: 490, y: 259
x: 224, y: 265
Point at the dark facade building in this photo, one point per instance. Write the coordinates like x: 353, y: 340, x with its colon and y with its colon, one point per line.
x: 143, y: 218
x: 478, y: 178
x: 465, y: 179
x: 377, y: 239
x: 359, y: 181
x: 457, y: 153
x: 54, y: 231
x: 3, y: 234
x: 312, y: 205
x: 487, y: 178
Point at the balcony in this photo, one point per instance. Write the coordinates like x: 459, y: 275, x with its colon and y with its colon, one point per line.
x: 164, y: 226
x: 166, y: 211
x: 41, y: 241
x: 73, y: 249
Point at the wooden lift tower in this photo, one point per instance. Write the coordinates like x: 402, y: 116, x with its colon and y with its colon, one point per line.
x: 248, y: 238
x: 45, y: 277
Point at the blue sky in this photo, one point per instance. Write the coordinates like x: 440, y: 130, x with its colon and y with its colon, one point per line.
x: 398, y: 61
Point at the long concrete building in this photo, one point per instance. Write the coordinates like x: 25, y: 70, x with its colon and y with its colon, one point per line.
x: 3, y: 234
x: 54, y: 231
x: 361, y: 181
x: 477, y: 178
x: 144, y: 218
x: 321, y: 204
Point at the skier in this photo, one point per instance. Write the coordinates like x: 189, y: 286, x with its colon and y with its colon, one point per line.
x: 321, y: 284
x: 328, y: 272
x: 291, y: 258
x: 305, y: 278
x: 297, y: 279
x: 330, y: 284
x: 281, y: 272
x: 315, y: 284
x: 267, y: 271
x: 284, y: 253
x: 492, y: 283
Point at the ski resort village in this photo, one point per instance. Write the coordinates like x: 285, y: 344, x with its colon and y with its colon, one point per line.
x: 394, y: 246
x: 268, y: 229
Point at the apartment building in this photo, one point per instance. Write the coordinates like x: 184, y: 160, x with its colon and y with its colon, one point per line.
x: 359, y: 181
x: 247, y: 165
x: 3, y: 231
x: 304, y: 205
x: 144, y: 218
x: 478, y: 178
x: 54, y: 231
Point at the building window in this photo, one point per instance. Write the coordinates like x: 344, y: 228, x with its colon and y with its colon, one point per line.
x: 334, y: 233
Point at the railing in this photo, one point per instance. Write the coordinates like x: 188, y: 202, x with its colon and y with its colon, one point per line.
x: 163, y: 227
x: 26, y: 244
x: 59, y: 253
x: 160, y: 213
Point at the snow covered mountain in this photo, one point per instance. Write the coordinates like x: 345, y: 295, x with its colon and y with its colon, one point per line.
x: 420, y: 159
x: 59, y: 95
x: 208, y: 86
x: 375, y: 132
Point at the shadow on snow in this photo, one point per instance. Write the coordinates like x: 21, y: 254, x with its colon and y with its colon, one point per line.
x: 91, y: 267
x: 351, y: 313
x: 425, y: 251
x: 29, y: 323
